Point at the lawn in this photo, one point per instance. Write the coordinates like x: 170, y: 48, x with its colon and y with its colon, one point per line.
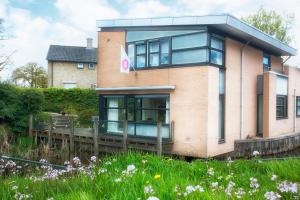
x: 144, y: 176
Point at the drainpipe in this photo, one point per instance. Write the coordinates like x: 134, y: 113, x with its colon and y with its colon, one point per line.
x: 294, y: 128
x: 241, y: 89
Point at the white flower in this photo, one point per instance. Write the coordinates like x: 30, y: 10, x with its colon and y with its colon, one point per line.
x: 76, y: 161
x: 287, y: 187
x: 93, y: 158
x: 274, y: 177
x: 272, y: 195
x: 254, y: 183
x: 210, y: 171
x: 144, y: 161
x: 152, y: 198
x: 51, y: 198
x: 229, y: 188
x: 240, y: 192
x: 108, y: 163
x: 15, y: 187
x: 148, y: 189
x: 130, y: 168
x: 102, y: 171
x: 255, y: 153
x: 117, y: 180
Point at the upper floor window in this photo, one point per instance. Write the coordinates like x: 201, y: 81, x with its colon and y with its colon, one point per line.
x: 281, y: 97
x: 266, y: 62
x: 187, y: 48
x: 80, y: 66
x: 298, y: 106
x: 91, y: 66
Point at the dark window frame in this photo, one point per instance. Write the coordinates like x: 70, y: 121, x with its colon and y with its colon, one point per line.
x: 297, y: 106
x: 103, y: 111
x: 222, y: 98
x: 91, y: 68
x: 266, y: 67
x: 284, y: 107
x: 170, y: 64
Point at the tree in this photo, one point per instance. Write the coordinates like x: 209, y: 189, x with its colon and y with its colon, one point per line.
x: 31, y: 75
x: 272, y: 23
x: 4, y: 59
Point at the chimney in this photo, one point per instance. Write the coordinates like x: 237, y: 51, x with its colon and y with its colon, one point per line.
x: 89, y: 43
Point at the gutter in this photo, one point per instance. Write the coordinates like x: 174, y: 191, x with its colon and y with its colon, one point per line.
x: 241, y: 89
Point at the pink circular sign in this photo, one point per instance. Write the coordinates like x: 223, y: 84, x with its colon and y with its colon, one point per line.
x: 125, y: 64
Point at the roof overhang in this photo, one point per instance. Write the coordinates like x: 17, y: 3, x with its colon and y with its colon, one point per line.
x: 142, y: 88
x: 225, y: 22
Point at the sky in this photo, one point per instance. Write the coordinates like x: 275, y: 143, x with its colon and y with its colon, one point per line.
x: 32, y: 25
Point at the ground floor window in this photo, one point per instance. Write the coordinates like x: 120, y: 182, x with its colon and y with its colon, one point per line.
x: 221, y: 106
x: 298, y: 106
x: 281, y: 106
x: 142, y: 113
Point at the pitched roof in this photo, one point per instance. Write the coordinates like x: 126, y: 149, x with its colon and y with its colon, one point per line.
x: 223, y: 22
x: 72, y: 54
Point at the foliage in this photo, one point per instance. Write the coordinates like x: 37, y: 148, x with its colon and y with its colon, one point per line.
x: 272, y: 23
x: 16, y: 104
x: 138, y: 176
x: 31, y: 74
x: 84, y: 117
x: 4, y: 59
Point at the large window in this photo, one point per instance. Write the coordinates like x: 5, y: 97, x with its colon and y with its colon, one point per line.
x: 298, y: 106
x: 281, y: 97
x: 266, y: 62
x: 188, y: 48
x: 142, y: 112
x: 221, y: 105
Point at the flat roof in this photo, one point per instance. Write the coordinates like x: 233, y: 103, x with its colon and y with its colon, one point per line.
x: 223, y: 22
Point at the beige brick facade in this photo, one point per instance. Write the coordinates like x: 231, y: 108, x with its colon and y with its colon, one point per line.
x: 62, y: 73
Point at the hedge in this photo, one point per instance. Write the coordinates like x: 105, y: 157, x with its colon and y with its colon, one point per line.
x: 17, y: 103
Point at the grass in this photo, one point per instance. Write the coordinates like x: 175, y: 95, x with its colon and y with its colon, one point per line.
x: 172, y: 173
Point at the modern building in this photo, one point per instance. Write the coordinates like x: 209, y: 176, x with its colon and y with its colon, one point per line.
x: 72, y: 66
x: 214, y: 77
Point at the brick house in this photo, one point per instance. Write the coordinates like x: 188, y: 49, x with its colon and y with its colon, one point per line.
x: 72, y: 66
x: 216, y: 78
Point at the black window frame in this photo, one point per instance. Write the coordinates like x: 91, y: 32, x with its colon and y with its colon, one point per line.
x: 283, y: 106
x: 91, y: 68
x: 136, y: 54
x: 156, y: 52
x: 170, y: 64
x: 222, y: 100
x: 103, y: 111
x: 266, y: 67
x: 297, y: 106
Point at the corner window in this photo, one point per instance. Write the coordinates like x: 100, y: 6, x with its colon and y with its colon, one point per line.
x: 186, y: 48
x: 298, y: 106
x: 91, y: 66
x: 80, y: 66
x: 281, y: 97
x: 266, y: 62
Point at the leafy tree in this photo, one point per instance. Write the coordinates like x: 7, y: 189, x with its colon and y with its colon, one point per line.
x: 4, y: 59
x: 31, y: 75
x: 272, y: 23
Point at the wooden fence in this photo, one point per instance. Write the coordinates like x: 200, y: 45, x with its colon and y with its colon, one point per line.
x: 266, y: 146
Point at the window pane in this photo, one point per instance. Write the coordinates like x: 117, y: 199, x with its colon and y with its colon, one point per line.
x: 221, y: 117
x: 281, y: 106
x: 164, y: 54
x: 154, y: 59
x: 216, y: 43
x: 266, y: 60
x: 216, y: 57
x: 298, y: 101
x: 190, y: 56
x: 189, y: 41
x: 130, y: 107
x: 281, y: 85
x: 140, y: 61
x: 114, y: 114
x: 151, y: 102
x: 221, y: 81
x: 298, y: 111
x: 114, y: 127
x: 114, y: 102
x: 154, y: 47
x: 140, y: 48
x: 131, y: 54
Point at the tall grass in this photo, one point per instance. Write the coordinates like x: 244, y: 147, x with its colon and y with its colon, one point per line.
x: 170, y: 174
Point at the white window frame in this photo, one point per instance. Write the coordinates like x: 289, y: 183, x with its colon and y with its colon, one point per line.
x: 80, y: 66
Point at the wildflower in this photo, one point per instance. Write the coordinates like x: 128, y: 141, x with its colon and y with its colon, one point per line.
x: 102, y: 171
x: 239, y: 193
x: 210, y: 171
x: 93, y: 158
x: 255, y: 153
x: 148, y: 189
x: 117, y: 180
x: 51, y: 198
x: 144, y: 161
x: 229, y: 161
x: 43, y: 160
x: 157, y: 177
x: 67, y: 162
x: 287, y: 187
x: 76, y: 161
x: 272, y: 195
x: 189, y: 189
x: 274, y: 177
x: 152, y: 198
x: 130, y: 170
x: 15, y: 187
x: 108, y: 163
x: 254, y: 183
x: 229, y: 188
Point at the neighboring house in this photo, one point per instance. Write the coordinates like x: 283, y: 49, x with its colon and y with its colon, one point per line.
x: 215, y: 77
x: 71, y: 67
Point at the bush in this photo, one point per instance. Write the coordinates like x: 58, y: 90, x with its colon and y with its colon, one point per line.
x: 85, y: 117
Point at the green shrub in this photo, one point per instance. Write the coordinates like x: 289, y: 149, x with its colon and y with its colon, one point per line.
x: 85, y: 117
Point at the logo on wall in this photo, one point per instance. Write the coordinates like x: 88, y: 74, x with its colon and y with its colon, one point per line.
x: 125, y: 62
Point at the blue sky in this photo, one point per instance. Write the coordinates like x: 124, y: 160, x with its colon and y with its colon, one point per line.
x: 35, y: 24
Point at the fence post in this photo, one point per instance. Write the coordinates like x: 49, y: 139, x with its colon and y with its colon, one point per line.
x: 30, y: 125
x: 96, y: 135
x: 159, y: 139
x: 50, y: 128
x: 71, y: 137
x: 125, y: 134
